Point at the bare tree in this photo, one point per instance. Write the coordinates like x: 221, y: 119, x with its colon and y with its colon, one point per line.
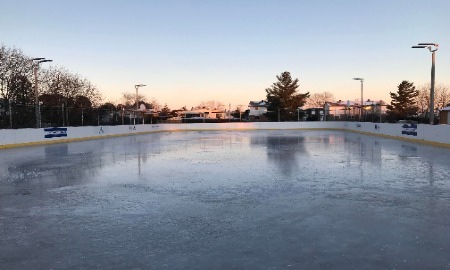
x: 423, y: 99
x: 56, y: 85
x: 13, y: 65
x: 319, y: 99
x: 441, y: 97
x: 239, y: 108
x: 129, y: 99
x: 155, y: 105
x: 90, y: 91
x: 59, y: 81
x: 211, y: 105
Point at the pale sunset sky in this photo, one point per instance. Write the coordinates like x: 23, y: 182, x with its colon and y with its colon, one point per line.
x: 230, y: 51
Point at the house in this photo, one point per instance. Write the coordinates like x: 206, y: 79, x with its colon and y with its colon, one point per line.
x: 444, y: 116
x: 257, y: 108
x: 334, y: 111
x: 313, y: 114
x: 203, y: 113
x: 341, y: 110
x: 347, y: 111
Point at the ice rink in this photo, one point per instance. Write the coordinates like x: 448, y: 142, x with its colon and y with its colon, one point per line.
x: 281, y: 199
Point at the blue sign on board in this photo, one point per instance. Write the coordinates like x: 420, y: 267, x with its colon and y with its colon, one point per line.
x: 409, y: 129
x: 55, y: 132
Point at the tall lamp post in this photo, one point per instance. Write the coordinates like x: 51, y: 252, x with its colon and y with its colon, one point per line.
x: 36, y: 62
x: 362, y: 100
x: 137, y: 99
x: 433, y: 47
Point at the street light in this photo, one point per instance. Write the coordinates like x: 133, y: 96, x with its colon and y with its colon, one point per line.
x: 137, y: 99
x: 381, y: 107
x: 362, y: 100
x: 433, y: 47
x: 36, y: 62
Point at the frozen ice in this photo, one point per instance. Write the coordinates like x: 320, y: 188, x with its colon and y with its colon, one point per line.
x: 228, y: 199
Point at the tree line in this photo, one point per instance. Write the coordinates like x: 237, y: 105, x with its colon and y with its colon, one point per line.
x: 59, y: 91
x: 410, y: 103
x: 67, y: 98
x: 407, y: 102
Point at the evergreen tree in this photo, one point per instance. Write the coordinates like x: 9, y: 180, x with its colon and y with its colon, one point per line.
x: 165, y: 111
x: 403, y: 104
x: 284, y: 99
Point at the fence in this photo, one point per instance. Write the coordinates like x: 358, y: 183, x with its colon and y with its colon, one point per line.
x: 15, y: 116
x: 24, y: 116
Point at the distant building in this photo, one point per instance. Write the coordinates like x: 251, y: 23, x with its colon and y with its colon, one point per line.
x: 346, y: 111
x: 203, y: 114
x: 257, y: 110
x: 444, y: 116
x: 313, y: 114
x: 342, y: 110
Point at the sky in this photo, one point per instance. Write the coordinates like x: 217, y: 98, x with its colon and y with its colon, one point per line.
x: 230, y: 51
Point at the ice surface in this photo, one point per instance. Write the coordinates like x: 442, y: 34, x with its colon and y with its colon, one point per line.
x: 209, y: 200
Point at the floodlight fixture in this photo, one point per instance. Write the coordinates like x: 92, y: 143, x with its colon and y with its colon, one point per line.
x: 45, y: 60
x: 428, y: 44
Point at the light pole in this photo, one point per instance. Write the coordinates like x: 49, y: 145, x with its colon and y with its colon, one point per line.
x: 36, y: 62
x: 373, y: 110
x: 362, y: 100
x: 380, y: 110
x: 326, y: 108
x: 123, y: 112
x: 433, y: 47
x: 279, y: 110
x: 137, y: 100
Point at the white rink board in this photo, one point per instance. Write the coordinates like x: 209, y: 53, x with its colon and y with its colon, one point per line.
x: 437, y: 134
